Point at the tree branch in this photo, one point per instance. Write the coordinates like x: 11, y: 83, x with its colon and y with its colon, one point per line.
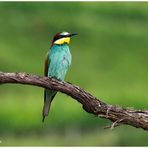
x: 117, y: 114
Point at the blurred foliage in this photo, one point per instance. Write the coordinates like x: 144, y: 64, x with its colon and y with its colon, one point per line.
x: 109, y: 60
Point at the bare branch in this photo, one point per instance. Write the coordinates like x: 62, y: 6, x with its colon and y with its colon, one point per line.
x: 117, y: 114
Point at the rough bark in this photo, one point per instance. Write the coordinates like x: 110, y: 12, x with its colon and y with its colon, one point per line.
x: 91, y: 104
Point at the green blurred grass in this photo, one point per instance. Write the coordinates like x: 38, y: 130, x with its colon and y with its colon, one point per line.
x: 109, y: 61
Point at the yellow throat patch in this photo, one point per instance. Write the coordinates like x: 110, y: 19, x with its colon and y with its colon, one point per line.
x: 62, y: 41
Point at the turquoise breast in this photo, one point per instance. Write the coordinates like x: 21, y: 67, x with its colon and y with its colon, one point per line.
x: 59, y: 61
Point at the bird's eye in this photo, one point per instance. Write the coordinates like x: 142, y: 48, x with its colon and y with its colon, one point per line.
x: 61, y: 36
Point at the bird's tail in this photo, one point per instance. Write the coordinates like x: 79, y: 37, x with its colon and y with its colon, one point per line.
x: 48, y: 97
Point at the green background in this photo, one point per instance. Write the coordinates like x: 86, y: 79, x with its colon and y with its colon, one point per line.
x: 109, y: 60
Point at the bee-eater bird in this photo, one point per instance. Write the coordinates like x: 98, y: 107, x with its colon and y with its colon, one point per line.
x: 57, y: 62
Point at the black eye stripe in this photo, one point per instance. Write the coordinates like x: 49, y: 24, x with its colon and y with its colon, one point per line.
x: 68, y: 35
x: 56, y: 38
x: 59, y: 37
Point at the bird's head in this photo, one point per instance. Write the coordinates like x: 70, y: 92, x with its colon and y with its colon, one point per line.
x: 62, y: 38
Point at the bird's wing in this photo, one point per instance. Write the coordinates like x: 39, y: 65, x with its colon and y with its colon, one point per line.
x: 46, y: 91
x: 46, y: 65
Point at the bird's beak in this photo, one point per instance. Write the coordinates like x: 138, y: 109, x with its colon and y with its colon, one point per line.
x: 72, y: 34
